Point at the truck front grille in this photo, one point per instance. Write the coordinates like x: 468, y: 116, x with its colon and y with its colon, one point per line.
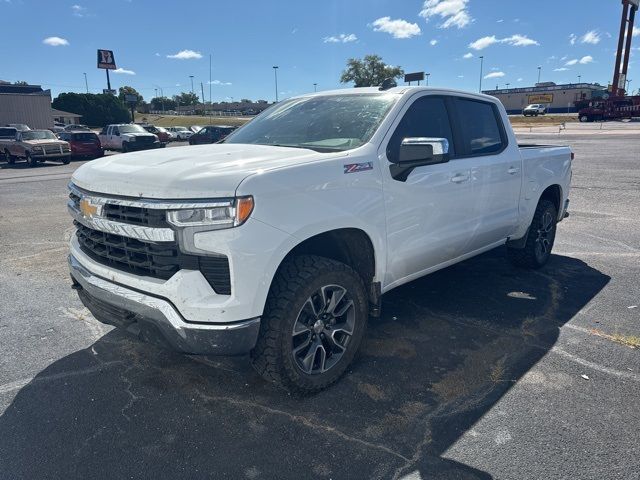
x: 157, y: 260
x: 147, y: 217
x: 52, y: 149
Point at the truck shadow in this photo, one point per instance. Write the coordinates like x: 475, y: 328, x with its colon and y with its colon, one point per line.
x: 444, y: 352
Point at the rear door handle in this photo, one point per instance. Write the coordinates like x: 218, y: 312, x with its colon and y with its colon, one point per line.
x: 513, y: 170
x: 460, y: 177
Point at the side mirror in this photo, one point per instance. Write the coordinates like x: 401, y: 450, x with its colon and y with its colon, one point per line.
x: 117, y: 134
x: 417, y: 152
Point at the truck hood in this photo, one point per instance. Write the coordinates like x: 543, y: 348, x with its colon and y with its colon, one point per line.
x: 44, y: 142
x: 203, y: 171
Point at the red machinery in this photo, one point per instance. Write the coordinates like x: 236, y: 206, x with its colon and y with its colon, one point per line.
x: 616, y: 105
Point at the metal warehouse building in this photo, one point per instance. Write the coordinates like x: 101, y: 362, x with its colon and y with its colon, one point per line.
x: 557, y: 98
x: 28, y: 104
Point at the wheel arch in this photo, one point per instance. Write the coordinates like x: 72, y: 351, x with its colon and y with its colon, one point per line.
x: 351, y: 246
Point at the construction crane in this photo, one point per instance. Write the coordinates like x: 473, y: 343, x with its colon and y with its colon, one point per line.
x: 616, y: 105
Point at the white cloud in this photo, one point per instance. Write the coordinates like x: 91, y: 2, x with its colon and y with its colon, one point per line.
x: 157, y: 54
x: 397, y: 28
x: 592, y: 37
x: 483, y: 42
x: 433, y: 42
x: 218, y: 82
x: 500, y: 21
x: 124, y: 71
x: 561, y: 69
x: 342, y: 38
x: 78, y: 10
x: 573, y: 39
x: 494, y: 75
x: 452, y: 12
x: 515, y: 40
x: 636, y: 32
x: 460, y: 76
x: 520, y: 79
x: 468, y: 55
x: 584, y: 60
x: 186, y: 55
x: 55, y: 41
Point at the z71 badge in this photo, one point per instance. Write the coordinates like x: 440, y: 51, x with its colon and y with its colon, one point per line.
x: 358, y: 167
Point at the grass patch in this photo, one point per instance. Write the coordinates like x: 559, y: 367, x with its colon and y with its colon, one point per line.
x: 542, y: 120
x: 630, y: 341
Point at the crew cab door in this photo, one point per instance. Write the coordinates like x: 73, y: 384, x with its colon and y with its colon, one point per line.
x: 430, y: 214
x: 496, y: 171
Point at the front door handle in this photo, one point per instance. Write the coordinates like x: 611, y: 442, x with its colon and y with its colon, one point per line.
x: 460, y: 177
x: 513, y: 170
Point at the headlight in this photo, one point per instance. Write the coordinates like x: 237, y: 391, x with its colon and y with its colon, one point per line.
x: 227, y: 215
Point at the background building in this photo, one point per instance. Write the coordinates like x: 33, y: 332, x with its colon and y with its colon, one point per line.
x: 557, y: 98
x: 28, y: 104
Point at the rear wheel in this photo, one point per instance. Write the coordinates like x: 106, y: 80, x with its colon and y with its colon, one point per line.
x: 542, y: 234
x: 9, y: 158
x: 313, y: 325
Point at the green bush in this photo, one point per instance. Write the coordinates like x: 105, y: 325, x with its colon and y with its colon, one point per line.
x: 96, y: 110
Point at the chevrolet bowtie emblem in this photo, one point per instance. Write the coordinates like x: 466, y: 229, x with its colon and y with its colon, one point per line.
x: 88, y: 209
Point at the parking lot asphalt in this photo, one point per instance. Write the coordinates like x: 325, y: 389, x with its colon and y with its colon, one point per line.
x: 478, y: 371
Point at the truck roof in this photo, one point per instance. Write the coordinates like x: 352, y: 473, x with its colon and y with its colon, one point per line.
x: 396, y: 90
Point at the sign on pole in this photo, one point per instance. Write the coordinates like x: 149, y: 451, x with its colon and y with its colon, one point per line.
x: 108, y: 91
x: 106, y: 60
x: 414, y: 77
x: 130, y: 98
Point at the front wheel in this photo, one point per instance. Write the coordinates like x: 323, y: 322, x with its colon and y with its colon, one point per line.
x: 540, y: 239
x: 66, y: 160
x: 313, y: 324
x: 33, y: 162
x: 125, y: 147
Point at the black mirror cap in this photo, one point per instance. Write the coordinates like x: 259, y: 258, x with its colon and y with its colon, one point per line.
x: 415, y: 153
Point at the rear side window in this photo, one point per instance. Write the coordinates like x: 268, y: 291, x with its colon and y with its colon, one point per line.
x: 7, y: 132
x: 426, y: 117
x: 84, y: 137
x: 481, y: 128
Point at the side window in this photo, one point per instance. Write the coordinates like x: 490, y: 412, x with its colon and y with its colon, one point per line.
x: 115, y: 131
x: 481, y: 128
x: 426, y: 117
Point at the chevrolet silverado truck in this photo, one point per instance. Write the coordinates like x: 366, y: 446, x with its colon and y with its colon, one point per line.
x: 127, y: 138
x: 35, y: 146
x: 281, y: 240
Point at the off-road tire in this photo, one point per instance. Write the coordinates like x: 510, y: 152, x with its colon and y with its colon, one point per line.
x: 530, y: 256
x: 297, y: 279
x: 11, y: 160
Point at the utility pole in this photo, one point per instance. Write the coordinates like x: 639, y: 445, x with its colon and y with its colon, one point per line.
x: 86, y: 84
x: 210, y: 101
x: 539, y: 73
x: 191, y: 77
x: 508, y: 84
x: 275, y: 72
x: 156, y: 90
x: 427, y: 74
x: 202, y: 90
x: 315, y: 87
x: 579, y: 78
x: 481, y: 65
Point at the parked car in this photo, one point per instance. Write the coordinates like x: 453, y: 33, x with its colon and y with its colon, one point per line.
x: 534, y: 110
x: 159, y: 132
x: 76, y: 127
x: 179, y: 133
x: 58, y: 127
x: 211, y: 134
x: 83, y: 144
x: 21, y: 127
x: 281, y: 240
x: 127, y: 137
x: 35, y: 146
x: 195, y: 128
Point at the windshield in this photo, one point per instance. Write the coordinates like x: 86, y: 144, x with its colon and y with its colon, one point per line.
x: 321, y: 123
x: 38, y: 135
x: 131, y: 129
x: 181, y: 129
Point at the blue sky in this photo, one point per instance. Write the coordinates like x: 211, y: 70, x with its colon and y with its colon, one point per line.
x: 53, y: 42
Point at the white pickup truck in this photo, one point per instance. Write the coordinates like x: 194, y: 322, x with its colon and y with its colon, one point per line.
x: 127, y: 138
x: 281, y: 241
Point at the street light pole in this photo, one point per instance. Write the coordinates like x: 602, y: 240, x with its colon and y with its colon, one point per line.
x: 191, y: 77
x: 539, y: 73
x: 481, y: 65
x: 315, y: 87
x: 86, y: 84
x: 579, y: 78
x: 427, y: 78
x: 275, y: 72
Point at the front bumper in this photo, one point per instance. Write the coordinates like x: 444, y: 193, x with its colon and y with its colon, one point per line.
x: 156, y: 320
x: 139, y: 146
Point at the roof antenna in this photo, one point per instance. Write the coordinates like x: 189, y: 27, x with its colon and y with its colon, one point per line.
x: 387, y: 84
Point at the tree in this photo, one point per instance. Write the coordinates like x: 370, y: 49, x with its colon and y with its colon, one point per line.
x: 126, y: 90
x: 96, y: 110
x: 162, y: 103
x: 371, y: 71
x: 187, y: 98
